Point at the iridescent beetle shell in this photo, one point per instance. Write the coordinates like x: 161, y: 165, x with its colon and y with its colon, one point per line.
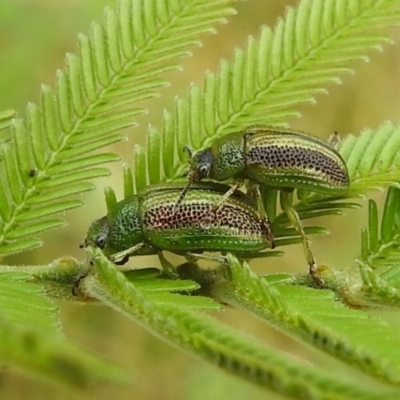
x: 150, y: 218
x: 277, y: 158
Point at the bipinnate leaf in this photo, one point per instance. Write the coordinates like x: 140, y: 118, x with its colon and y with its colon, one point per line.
x: 49, y: 156
x: 266, y: 82
x: 219, y: 344
x: 373, y: 163
x: 6, y: 119
x: 372, y: 158
x: 312, y: 315
x: 31, y: 339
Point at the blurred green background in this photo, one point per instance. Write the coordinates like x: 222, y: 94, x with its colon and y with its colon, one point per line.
x: 34, y: 37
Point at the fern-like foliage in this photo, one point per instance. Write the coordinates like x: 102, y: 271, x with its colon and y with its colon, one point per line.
x: 380, y: 240
x: 49, y: 157
x: 308, y: 315
x: 53, y: 359
x: 121, y: 62
x: 373, y: 163
x: 30, y: 332
x: 31, y: 338
x: 378, y: 278
x: 220, y: 345
x: 374, y: 278
x: 6, y: 118
x: 373, y: 158
x: 264, y: 83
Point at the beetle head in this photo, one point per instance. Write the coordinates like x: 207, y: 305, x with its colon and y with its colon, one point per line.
x: 98, y: 233
x: 200, y: 165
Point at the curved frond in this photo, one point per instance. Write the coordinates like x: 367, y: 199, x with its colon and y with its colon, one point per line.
x: 120, y: 62
x: 169, y: 292
x: 24, y: 304
x: 31, y: 339
x: 373, y: 279
x: 265, y: 83
x: 220, y: 345
x: 372, y: 158
x: 309, y: 314
x: 380, y: 241
x: 6, y: 119
x: 373, y: 163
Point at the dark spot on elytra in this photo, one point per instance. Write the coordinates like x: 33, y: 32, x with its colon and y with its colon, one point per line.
x: 231, y: 219
x: 276, y: 158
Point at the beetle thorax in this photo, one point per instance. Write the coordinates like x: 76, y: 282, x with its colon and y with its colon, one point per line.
x: 229, y: 160
x: 126, y: 229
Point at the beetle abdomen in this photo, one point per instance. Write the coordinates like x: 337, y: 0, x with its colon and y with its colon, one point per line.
x: 295, y: 161
x: 193, y: 227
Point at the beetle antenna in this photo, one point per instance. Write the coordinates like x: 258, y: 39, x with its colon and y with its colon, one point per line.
x: 189, y: 174
x: 184, y: 191
x: 188, y: 150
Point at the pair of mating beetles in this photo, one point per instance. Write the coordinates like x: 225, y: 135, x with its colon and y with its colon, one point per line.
x: 218, y: 218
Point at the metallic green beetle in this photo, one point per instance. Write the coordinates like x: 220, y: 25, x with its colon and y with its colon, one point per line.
x: 278, y: 158
x: 148, y: 224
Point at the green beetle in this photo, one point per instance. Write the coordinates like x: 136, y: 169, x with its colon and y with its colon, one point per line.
x: 149, y: 223
x: 278, y: 158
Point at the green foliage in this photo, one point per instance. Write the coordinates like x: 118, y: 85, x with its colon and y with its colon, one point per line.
x: 6, y: 118
x: 380, y: 241
x: 373, y: 163
x: 53, y: 359
x: 379, y: 256
x: 121, y: 62
x: 217, y: 343
x: 164, y: 291
x: 30, y: 334
x: 348, y: 334
x: 264, y: 83
x: 49, y: 157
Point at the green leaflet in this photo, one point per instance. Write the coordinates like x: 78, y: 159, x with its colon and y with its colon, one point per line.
x: 218, y: 344
x: 372, y: 158
x: 120, y: 62
x: 6, y: 118
x: 47, y: 158
x: 265, y: 83
x: 313, y: 316
x: 30, y: 335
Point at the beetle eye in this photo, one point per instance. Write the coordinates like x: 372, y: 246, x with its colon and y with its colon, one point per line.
x: 203, y: 171
x: 100, y: 240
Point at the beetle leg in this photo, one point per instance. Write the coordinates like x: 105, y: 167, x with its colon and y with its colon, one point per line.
x: 210, y: 216
x: 225, y: 197
x: 259, y: 254
x: 293, y: 216
x: 254, y: 191
x: 75, y: 290
x: 123, y: 256
x: 193, y: 257
x: 167, y: 267
x: 123, y: 261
